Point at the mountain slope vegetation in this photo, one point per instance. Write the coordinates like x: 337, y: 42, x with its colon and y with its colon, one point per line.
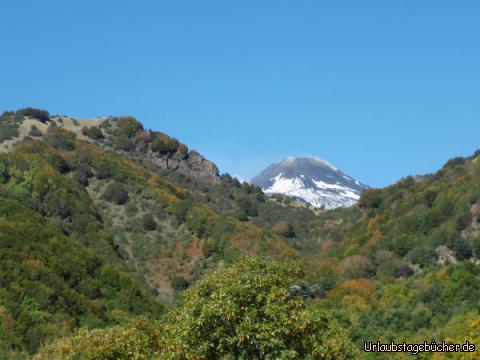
x: 105, y: 226
x: 408, y: 267
x: 107, y: 236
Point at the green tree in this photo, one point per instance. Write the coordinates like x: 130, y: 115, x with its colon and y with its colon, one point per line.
x: 128, y: 126
x: 38, y: 114
x: 248, y: 311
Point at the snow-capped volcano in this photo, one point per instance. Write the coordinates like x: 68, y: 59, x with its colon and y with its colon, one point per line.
x: 311, y: 180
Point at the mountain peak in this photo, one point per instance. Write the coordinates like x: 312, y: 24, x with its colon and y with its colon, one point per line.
x: 288, y: 160
x: 312, y: 180
x: 308, y: 159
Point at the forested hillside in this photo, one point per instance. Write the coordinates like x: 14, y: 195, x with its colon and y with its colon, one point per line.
x: 120, y: 235
x: 409, y: 267
x: 139, y: 242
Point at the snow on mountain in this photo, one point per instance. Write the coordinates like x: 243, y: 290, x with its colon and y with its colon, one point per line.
x: 312, y: 180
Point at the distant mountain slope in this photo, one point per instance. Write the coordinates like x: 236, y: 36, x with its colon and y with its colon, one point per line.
x: 311, y: 180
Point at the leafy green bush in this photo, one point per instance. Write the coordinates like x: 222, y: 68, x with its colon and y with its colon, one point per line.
x: 247, y: 311
x: 81, y: 177
x: 283, y: 228
x: 60, y: 139
x: 38, y: 114
x: 423, y: 256
x: 371, y: 199
x: 93, y: 132
x: 136, y: 341
x: 247, y: 208
x: 34, y: 131
x: 116, y: 192
x: 8, y: 131
x: 164, y: 144
x: 123, y: 143
x: 179, y: 283
x: 9, y: 125
x: 127, y: 126
x: 59, y: 163
x: 455, y: 162
x: 104, y: 170
x: 462, y: 249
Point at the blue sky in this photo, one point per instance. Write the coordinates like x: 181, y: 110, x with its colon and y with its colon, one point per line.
x: 382, y: 89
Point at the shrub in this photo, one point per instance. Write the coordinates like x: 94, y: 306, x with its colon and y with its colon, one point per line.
x: 370, y: 199
x: 363, y: 288
x: 124, y: 143
x: 149, y: 223
x: 179, y: 283
x: 403, y: 271
x: 9, y: 125
x: 4, y: 175
x: 38, y: 114
x: 116, y: 193
x: 60, y: 139
x: 476, y: 247
x: 128, y: 126
x: 455, y: 162
x: 463, y: 219
x: 248, y: 311
x: 246, y: 207
x: 183, y: 149
x: 355, y: 266
x: 173, y: 145
x: 402, y: 244
x: 8, y: 131
x: 52, y: 127
x: 180, y: 210
x: 164, y: 144
x: 84, y: 168
x: 137, y: 340
x: 57, y: 203
x: 160, y: 143
x: 423, y: 256
x: 80, y: 177
x: 197, y: 221
x: 104, y: 170
x: 35, y: 131
x: 283, y: 229
x: 59, y: 163
x: 93, y: 132
x: 462, y: 249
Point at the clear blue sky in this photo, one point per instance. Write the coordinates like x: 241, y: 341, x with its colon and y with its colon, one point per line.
x: 382, y: 89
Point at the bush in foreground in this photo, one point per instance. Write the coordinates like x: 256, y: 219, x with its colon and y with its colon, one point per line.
x: 137, y: 340
x: 247, y: 311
